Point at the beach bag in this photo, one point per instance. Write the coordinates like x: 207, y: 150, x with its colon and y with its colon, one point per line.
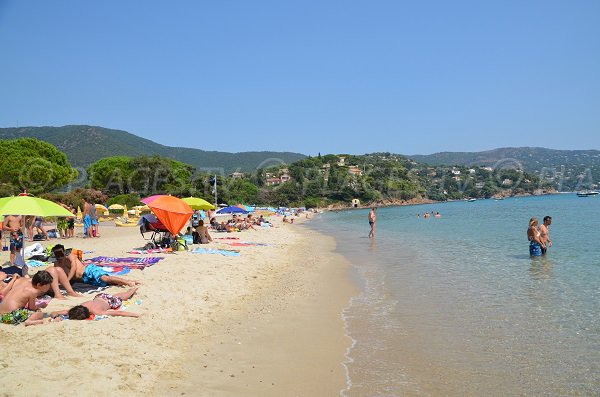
x: 34, y: 249
x: 39, y: 237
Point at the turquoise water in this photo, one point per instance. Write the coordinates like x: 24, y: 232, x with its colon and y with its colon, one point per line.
x: 455, y: 306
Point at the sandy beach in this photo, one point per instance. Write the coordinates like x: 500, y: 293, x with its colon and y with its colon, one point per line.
x: 266, y: 323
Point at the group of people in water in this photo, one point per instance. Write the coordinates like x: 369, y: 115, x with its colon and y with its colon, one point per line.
x: 538, y: 236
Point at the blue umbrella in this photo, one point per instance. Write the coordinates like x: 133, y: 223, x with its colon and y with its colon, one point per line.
x: 231, y: 210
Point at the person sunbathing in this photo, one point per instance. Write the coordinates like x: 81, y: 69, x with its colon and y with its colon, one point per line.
x: 19, y: 304
x: 6, y: 286
x: 101, y: 305
x: 88, y: 274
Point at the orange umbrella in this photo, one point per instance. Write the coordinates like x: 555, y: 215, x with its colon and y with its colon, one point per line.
x: 172, y: 212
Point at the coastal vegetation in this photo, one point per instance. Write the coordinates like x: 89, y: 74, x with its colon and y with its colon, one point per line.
x: 338, y: 180
x: 34, y: 165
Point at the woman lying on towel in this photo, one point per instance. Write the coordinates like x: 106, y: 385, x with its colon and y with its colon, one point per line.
x: 101, y: 305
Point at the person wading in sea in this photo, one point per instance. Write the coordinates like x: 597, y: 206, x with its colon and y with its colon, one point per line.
x: 372, y: 219
x: 544, y: 234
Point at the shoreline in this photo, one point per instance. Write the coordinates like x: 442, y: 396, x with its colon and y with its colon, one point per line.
x: 402, y: 203
x: 266, y: 323
x: 284, y: 338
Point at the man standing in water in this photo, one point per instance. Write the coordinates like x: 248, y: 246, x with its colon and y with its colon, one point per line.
x: 544, y: 235
x: 372, y: 219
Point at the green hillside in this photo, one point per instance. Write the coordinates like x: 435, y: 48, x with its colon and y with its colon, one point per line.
x: 568, y: 169
x: 85, y: 144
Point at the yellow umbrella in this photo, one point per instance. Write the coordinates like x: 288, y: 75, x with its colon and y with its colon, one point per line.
x: 79, y: 214
x: 125, y: 214
x: 116, y: 207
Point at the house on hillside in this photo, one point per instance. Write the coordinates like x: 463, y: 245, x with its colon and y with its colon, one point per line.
x: 237, y: 175
x: 355, y: 170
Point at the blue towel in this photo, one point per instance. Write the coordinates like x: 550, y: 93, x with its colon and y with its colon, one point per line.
x: 214, y: 251
x: 34, y: 263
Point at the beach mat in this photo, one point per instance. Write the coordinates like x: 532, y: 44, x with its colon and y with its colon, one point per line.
x: 243, y: 244
x: 127, y: 262
x: 214, y: 251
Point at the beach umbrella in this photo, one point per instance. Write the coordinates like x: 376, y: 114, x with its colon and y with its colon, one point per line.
x: 197, y: 203
x: 232, y: 209
x: 28, y: 205
x: 172, y: 212
x: 116, y: 207
x: 32, y: 206
x: 100, y: 207
x: 150, y: 199
x: 79, y: 213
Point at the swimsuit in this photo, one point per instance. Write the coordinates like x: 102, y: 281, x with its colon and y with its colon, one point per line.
x: 87, y: 223
x: 114, y: 302
x: 16, y: 240
x: 71, y: 223
x: 92, y: 274
x: 371, y: 223
x: 16, y: 316
x: 535, y: 249
x: 38, y: 222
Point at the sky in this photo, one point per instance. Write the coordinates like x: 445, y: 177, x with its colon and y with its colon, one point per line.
x: 408, y: 77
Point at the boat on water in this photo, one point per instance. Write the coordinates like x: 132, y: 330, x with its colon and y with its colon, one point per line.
x: 471, y: 200
x: 588, y: 194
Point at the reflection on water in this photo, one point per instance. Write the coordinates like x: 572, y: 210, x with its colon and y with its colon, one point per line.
x: 541, y: 267
x: 455, y: 306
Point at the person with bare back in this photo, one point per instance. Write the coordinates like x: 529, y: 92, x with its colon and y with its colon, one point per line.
x: 372, y: 219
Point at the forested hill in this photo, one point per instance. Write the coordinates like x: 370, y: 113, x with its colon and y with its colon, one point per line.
x: 85, y: 144
x: 531, y: 158
x: 570, y: 169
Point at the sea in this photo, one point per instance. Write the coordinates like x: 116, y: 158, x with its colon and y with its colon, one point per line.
x: 455, y: 306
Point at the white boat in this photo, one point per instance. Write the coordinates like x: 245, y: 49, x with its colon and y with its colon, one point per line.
x: 588, y: 194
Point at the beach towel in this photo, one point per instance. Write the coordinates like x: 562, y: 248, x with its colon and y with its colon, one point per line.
x: 128, y: 262
x: 151, y: 251
x: 227, y: 238
x: 129, y: 259
x: 214, y: 251
x: 36, y: 263
x: 246, y: 244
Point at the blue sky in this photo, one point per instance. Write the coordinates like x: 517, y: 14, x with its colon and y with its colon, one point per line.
x: 407, y: 77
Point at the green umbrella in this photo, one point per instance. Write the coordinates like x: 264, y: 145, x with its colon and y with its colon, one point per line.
x: 27, y: 205
x: 198, y: 204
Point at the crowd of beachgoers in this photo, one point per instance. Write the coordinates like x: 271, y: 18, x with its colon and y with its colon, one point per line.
x: 23, y: 296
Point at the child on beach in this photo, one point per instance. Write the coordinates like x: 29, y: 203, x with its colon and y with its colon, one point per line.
x: 19, y: 304
x: 101, y: 305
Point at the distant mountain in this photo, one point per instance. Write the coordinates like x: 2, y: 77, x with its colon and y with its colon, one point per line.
x: 84, y: 144
x: 570, y: 169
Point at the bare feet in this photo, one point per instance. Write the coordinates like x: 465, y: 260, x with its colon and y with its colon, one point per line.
x: 133, y: 283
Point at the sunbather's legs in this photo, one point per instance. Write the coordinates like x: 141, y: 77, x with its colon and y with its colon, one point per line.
x: 127, y: 294
x: 35, y: 318
x: 119, y: 281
